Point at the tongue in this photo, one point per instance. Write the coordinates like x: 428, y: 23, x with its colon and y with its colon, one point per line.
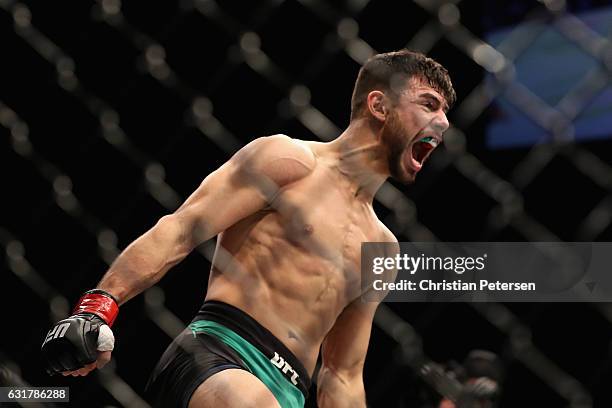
x: 420, y: 150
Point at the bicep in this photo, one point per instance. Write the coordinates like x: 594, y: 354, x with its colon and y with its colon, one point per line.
x: 224, y: 197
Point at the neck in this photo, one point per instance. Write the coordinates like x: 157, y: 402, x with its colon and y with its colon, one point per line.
x: 362, y: 159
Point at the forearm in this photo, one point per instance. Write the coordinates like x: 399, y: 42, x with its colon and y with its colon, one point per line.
x: 339, y: 391
x: 146, y: 260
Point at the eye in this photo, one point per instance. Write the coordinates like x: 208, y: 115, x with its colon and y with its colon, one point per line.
x: 429, y: 105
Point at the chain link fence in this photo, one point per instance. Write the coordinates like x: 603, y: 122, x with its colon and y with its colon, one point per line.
x: 112, y: 112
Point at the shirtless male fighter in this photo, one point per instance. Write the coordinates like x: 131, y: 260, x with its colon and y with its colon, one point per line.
x: 290, y: 216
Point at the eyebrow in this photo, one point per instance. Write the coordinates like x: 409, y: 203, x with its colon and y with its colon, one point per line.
x: 429, y: 95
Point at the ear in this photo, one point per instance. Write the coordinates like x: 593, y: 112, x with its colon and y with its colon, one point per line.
x: 377, y: 105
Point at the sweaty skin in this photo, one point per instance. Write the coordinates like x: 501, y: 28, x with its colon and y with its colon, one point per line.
x: 290, y: 217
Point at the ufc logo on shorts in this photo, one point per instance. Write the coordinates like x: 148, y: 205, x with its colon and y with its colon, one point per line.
x: 57, y: 331
x: 280, y: 362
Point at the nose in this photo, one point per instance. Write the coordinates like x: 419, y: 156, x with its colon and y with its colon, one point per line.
x: 440, y: 122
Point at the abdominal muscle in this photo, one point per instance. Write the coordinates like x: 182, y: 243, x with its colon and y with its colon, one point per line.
x: 292, y: 292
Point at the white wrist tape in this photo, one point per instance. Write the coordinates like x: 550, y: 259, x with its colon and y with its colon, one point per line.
x: 106, y: 339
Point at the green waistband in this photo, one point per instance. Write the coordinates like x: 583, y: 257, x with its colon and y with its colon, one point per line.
x: 287, y: 395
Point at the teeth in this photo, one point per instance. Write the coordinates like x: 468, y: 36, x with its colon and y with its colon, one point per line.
x: 430, y: 140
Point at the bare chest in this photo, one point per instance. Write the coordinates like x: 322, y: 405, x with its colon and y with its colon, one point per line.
x: 321, y: 220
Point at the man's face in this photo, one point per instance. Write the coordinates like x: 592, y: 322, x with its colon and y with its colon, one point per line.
x: 413, y: 128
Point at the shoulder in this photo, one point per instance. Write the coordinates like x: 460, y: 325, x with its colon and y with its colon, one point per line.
x: 275, y: 147
x: 387, y: 236
x: 281, y: 144
x: 279, y: 157
x: 276, y: 153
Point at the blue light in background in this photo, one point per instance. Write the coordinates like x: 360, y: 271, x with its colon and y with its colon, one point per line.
x: 550, y: 68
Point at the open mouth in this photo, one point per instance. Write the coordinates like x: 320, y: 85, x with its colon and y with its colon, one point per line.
x: 422, y: 149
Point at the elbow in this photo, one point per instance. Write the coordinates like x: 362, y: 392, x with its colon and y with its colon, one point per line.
x: 338, y: 377
x: 169, y: 225
x: 328, y: 374
x: 340, y: 388
x: 173, y: 229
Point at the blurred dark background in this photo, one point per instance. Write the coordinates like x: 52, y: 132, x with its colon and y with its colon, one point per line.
x: 113, y: 112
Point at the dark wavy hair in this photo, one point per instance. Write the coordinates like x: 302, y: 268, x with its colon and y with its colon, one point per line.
x: 390, y: 72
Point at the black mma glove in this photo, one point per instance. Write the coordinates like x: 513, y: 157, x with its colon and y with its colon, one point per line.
x: 74, y: 342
